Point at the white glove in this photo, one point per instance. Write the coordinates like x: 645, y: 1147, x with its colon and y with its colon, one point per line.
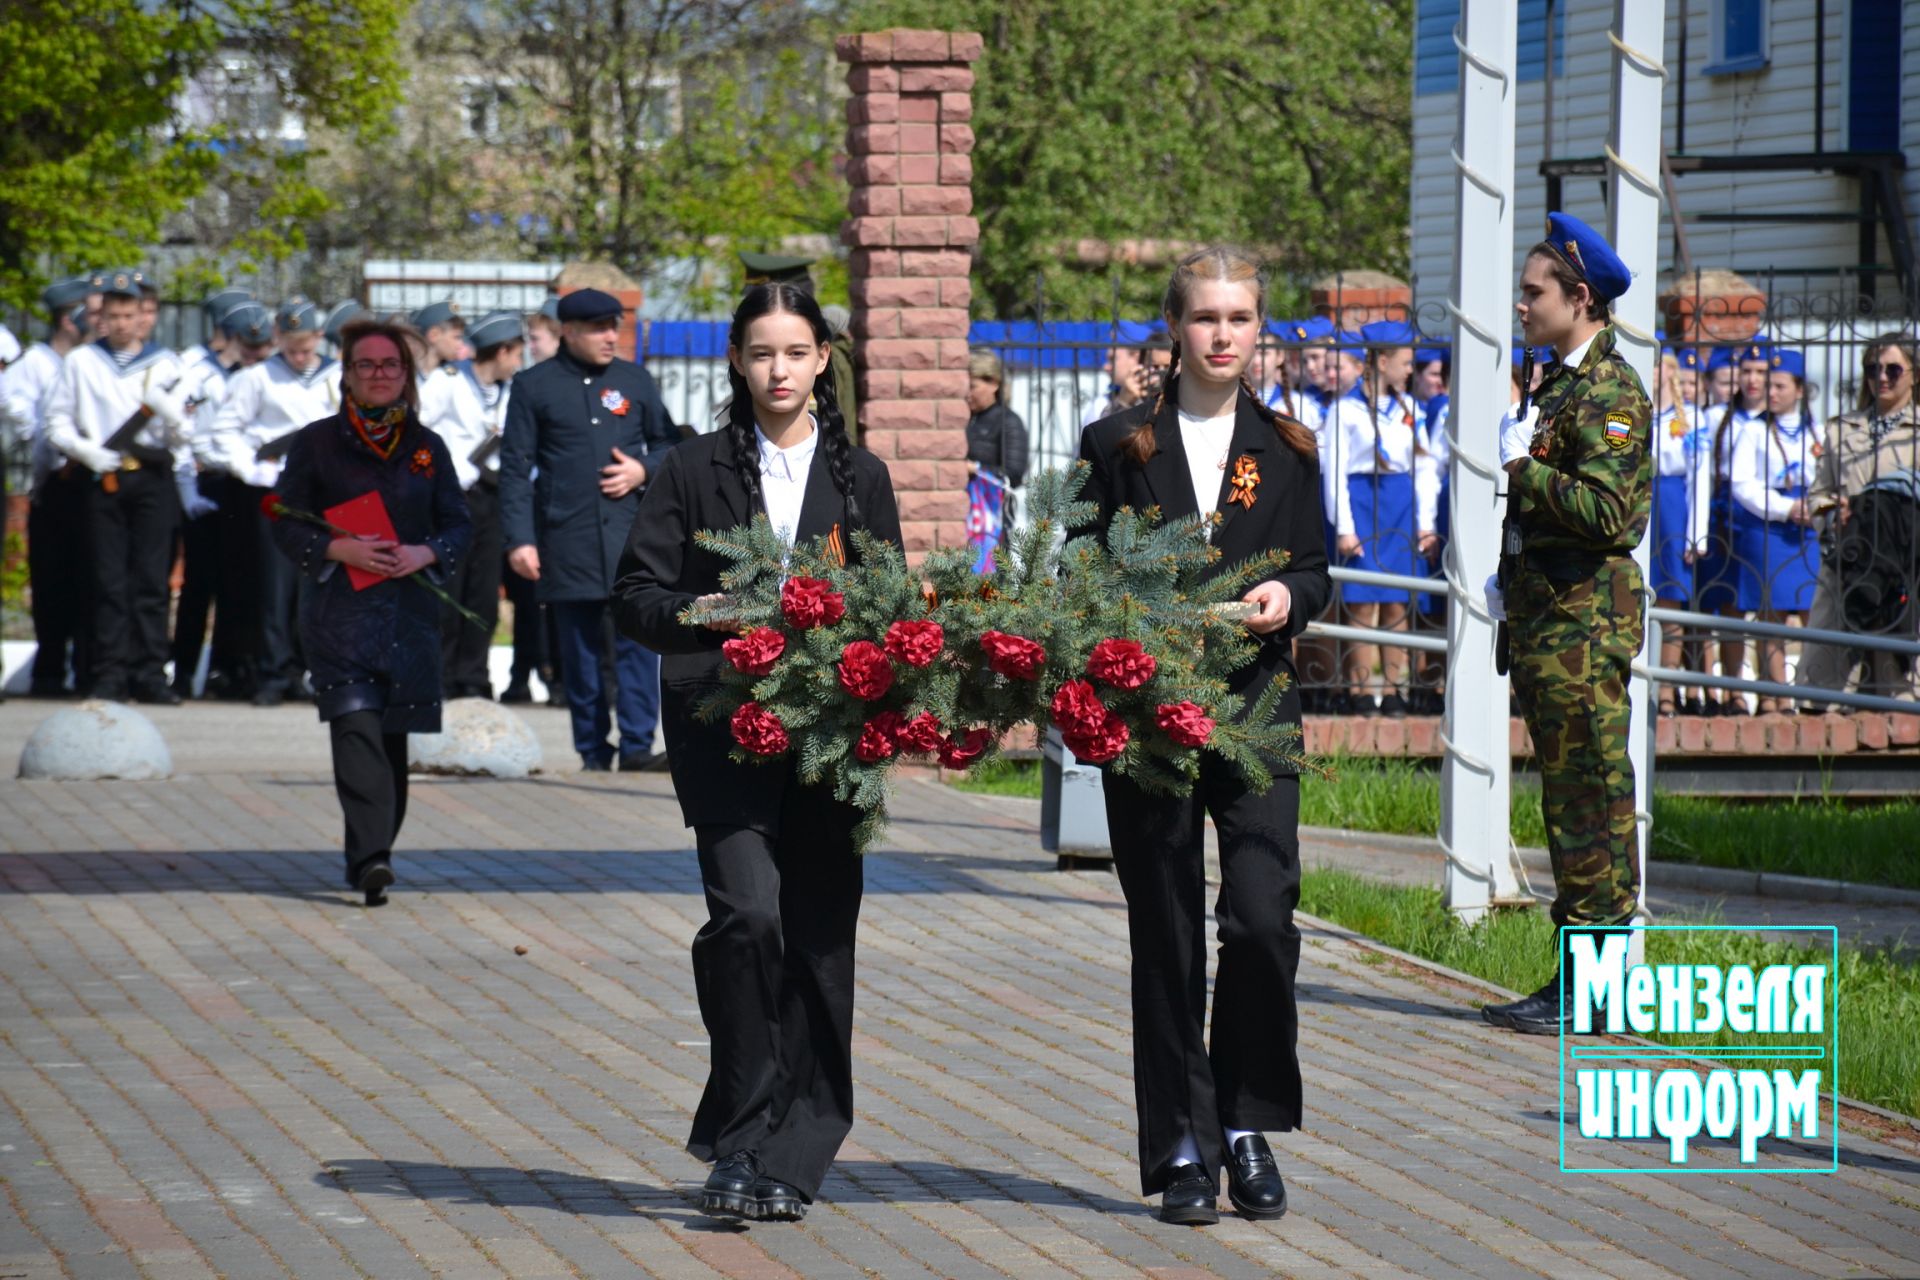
x: 94, y: 457
x: 168, y: 405
x: 1496, y: 599
x: 1517, y: 437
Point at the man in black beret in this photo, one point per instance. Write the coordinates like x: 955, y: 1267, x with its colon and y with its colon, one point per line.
x: 584, y: 431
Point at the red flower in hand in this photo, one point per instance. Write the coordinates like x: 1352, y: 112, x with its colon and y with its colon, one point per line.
x: 920, y: 736
x: 1186, y: 723
x: 1099, y: 745
x: 758, y: 730
x: 1078, y: 709
x: 271, y: 507
x: 755, y: 653
x: 915, y: 643
x: 864, y: 670
x: 1121, y: 663
x: 879, y: 737
x: 1014, y: 657
x: 811, y: 602
x: 959, y: 754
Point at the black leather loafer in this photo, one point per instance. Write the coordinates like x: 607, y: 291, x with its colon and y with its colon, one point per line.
x: 374, y: 877
x: 777, y: 1201
x: 1190, y: 1199
x: 728, y: 1192
x: 1253, y: 1179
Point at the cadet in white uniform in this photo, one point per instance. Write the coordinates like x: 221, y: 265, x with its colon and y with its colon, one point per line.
x: 469, y: 415
x: 115, y: 410
x: 265, y: 405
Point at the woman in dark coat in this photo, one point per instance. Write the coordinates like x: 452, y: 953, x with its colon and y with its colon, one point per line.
x: 374, y: 653
x: 1208, y: 445
x: 773, y: 965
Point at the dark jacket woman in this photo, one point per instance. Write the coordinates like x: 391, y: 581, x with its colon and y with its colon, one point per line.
x: 997, y: 440
x: 662, y: 571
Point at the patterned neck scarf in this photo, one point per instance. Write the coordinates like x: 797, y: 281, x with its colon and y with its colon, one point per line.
x: 378, y: 429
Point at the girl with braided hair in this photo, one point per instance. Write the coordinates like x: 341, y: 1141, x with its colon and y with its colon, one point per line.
x: 773, y: 965
x: 1208, y: 445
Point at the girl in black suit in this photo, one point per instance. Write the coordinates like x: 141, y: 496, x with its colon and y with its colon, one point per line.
x: 773, y: 965
x: 1182, y: 451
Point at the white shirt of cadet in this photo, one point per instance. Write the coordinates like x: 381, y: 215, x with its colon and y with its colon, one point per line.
x: 1772, y: 468
x: 1206, y: 441
x: 1350, y: 447
x: 97, y: 391
x: 783, y: 480
x: 1430, y: 468
x: 466, y: 413
x: 264, y: 402
x: 1683, y: 446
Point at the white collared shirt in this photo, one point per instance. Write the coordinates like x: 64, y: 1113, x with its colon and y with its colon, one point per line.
x: 95, y: 393
x: 466, y: 413
x: 264, y: 402
x: 783, y: 480
x: 1207, y: 442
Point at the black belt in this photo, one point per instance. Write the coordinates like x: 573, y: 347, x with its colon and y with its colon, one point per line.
x: 1566, y: 566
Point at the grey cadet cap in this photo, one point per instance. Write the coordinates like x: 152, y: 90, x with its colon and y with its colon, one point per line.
x: 62, y: 294
x: 299, y: 315
x: 338, y: 318
x: 118, y: 282
x: 221, y: 302
x: 251, y: 323
x: 436, y: 313
x: 496, y: 327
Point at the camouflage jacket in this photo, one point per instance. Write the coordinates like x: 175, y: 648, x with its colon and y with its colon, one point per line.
x: 1588, y: 485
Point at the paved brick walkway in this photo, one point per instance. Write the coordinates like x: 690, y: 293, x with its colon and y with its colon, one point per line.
x: 212, y: 1063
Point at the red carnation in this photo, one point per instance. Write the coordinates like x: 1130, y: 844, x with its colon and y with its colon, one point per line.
x: 864, y: 670
x: 921, y: 735
x: 759, y: 730
x: 879, y: 737
x: 271, y: 507
x: 1121, y: 663
x: 1097, y: 746
x: 1015, y: 657
x: 1186, y: 723
x: 915, y: 643
x: 755, y: 653
x: 960, y: 754
x: 1078, y: 709
x: 811, y: 602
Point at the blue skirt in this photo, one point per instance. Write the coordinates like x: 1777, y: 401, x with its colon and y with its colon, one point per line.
x: 1778, y: 562
x: 1672, y: 575
x: 1383, y: 516
x: 1436, y: 564
x: 1716, y: 583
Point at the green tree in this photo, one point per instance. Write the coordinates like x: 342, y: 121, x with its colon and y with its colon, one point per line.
x: 114, y: 117
x: 1109, y: 129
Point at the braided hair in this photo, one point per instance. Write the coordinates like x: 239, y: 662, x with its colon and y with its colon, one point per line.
x: 836, y: 446
x: 1216, y: 262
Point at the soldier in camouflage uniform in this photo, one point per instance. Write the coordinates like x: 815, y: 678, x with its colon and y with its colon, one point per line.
x: 1579, y: 496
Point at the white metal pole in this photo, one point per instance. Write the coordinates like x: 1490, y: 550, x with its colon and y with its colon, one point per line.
x: 1633, y: 203
x: 1474, y: 778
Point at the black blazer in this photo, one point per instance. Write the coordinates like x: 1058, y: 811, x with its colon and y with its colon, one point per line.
x: 662, y: 571
x: 560, y: 430
x: 1285, y: 516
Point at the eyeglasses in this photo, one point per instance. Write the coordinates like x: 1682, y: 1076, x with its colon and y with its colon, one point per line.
x: 1891, y: 372
x: 367, y: 368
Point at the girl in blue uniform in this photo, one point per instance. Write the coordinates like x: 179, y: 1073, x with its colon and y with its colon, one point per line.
x: 1375, y: 438
x: 1776, y: 549
x: 1682, y: 490
x: 1716, y: 574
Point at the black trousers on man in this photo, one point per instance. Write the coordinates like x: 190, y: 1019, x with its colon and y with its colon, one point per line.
x: 271, y: 604
x: 773, y: 967
x: 200, y: 582
x: 59, y: 566
x: 475, y: 583
x: 370, y: 777
x: 132, y: 525
x: 1249, y: 1078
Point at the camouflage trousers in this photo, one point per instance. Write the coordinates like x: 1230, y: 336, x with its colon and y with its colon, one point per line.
x: 1572, y: 645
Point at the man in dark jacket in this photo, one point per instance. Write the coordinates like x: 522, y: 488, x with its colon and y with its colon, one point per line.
x: 583, y: 434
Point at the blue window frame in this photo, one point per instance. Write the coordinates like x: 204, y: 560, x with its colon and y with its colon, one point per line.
x: 1436, y: 63
x: 1739, y: 37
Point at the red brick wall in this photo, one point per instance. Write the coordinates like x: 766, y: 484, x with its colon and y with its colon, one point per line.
x: 912, y: 231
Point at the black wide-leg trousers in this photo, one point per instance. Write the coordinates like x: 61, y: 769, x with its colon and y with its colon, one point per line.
x: 370, y: 777
x: 1249, y: 1077
x: 773, y: 967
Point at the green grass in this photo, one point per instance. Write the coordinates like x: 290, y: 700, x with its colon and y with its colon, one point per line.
x: 1878, y: 993
x: 1001, y: 777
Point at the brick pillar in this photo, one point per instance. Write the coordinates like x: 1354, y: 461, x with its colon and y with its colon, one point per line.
x: 911, y: 230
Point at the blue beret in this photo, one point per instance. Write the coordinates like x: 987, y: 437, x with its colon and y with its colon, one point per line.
x: 1719, y: 358
x: 1753, y: 351
x: 496, y: 327
x: 1587, y: 251
x: 436, y: 313
x: 62, y: 294
x: 1788, y: 362
x: 1137, y: 333
x: 589, y: 304
x: 299, y: 315
x: 1311, y: 329
x: 251, y: 323
x: 117, y: 282
x: 338, y: 317
x: 1427, y: 355
x: 1689, y: 357
x: 1389, y: 333
x: 1349, y: 343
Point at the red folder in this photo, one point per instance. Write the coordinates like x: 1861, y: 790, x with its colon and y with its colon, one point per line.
x: 366, y: 517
